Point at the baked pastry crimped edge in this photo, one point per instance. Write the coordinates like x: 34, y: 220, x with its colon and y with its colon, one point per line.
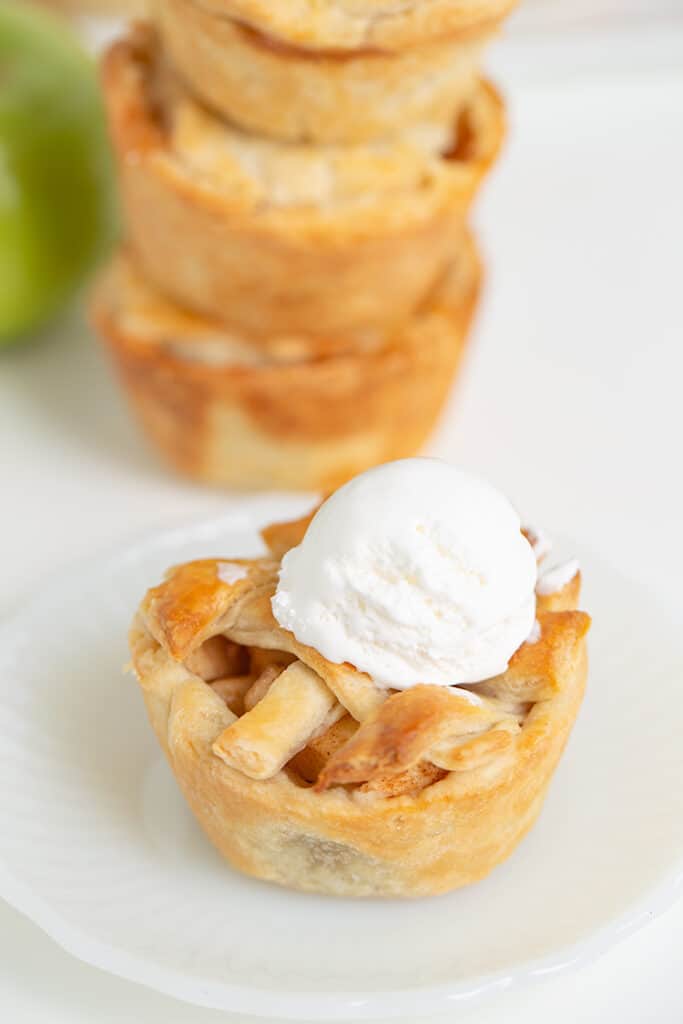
x: 341, y: 841
x: 293, y: 94
x: 229, y: 251
x: 290, y: 415
x: 361, y: 24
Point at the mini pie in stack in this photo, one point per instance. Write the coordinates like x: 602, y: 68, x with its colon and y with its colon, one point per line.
x: 296, y: 186
x: 333, y: 88
x: 276, y: 414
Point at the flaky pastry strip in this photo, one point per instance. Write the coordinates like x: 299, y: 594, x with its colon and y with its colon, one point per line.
x: 257, y: 627
x: 151, y: 664
x: 279, y: 538
x: 264, y: 739
x: 353, y: 689
x: 536, y: 670
x: 186, y: 609
x: 564, y: 600
x: 194, y: 603
x: 336, y: 712
x: 402, y: 732
x: 467, y: 753
x: 196, y: 715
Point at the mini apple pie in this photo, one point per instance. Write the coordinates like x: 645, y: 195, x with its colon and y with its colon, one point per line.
x: 286, y: 413
x: 358, y: 24
x: 271, y: 237
x: 278, y: 89
x: 314, y: 774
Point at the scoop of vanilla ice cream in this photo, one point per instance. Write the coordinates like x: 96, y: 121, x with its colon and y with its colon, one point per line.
x: 414, y: 572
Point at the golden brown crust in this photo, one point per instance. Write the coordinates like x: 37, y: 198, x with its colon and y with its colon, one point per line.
x: 536, y: 671
x: 562, y: 600
x: 414, y: 827
x: 293, y: 708
x: 187, y: 605
x: 403, y: 731
x: 293, y: 94
x: 336, y: 242
x: 279, y: 538
x: 451, y: 833
x: 309, y: 424
x: 195, y: 603
x: 361, y: 24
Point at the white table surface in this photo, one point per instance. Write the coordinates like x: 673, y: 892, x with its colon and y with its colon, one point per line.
x: 570, y: 402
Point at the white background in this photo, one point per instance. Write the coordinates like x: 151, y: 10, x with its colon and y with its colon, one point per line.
x: 571, y: 402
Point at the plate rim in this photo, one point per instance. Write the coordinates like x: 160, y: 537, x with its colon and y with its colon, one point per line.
x: 296, y: 1004
x: 334, y: 1005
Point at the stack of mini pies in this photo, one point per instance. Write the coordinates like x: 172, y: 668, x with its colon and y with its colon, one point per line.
x: 294, y: 294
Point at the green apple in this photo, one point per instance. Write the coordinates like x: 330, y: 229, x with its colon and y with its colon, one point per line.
x: 56, y: 207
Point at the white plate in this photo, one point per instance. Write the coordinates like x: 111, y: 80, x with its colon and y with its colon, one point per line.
x: 97, y: 847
